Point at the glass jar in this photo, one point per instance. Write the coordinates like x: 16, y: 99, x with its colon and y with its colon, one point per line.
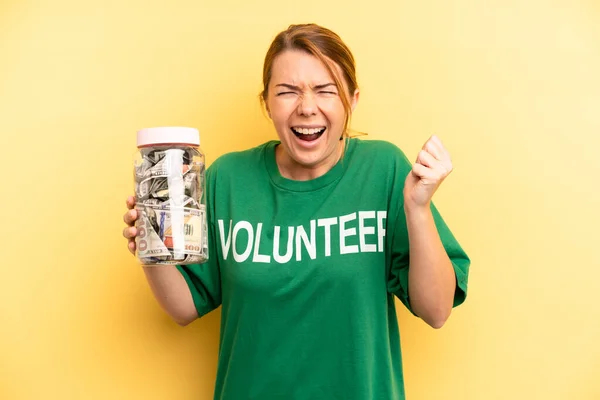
x: 169, y: 177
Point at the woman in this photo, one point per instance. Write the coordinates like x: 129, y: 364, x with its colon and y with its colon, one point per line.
x: 311, y: 237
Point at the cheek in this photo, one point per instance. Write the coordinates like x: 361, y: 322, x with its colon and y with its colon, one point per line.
x: 280, y: 121
x: 276, y: 115
x: 333, y: 111
x: 281, y: 112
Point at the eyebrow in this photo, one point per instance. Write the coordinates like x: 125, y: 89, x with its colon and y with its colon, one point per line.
x: 317, y: 87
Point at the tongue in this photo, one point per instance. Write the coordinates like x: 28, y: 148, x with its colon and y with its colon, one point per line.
x: 309, y: 138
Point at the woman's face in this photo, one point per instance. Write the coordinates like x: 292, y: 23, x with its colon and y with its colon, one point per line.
x: 307, y: 112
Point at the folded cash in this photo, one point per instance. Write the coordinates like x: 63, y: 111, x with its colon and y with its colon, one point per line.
x: 161, y: 194
x: 155, y: 187
x: 155, y: 154
x: 156, y: 203
x: 140, y: 170
x: 186, y: 201
x: 148, y: 242
x: 170, y: 235
x: 161, y: 169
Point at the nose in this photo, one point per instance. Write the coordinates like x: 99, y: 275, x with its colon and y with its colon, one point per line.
x: 308, y: 105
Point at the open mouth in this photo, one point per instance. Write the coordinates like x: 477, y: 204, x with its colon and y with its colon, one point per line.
x: 308, y: 134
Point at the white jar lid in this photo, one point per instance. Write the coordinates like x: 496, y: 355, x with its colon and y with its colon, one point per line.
x: 168, y: 135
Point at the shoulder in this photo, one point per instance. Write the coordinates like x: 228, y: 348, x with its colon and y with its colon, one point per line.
x: 380, y: 151
x: 239, y: 160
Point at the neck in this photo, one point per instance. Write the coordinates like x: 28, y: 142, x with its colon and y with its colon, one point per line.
x: 290, y: 169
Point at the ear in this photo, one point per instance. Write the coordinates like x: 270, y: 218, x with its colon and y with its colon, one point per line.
x: 263, y: 101
x: 354, y: 100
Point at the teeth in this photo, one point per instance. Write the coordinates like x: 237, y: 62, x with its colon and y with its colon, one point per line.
x: 305, y: 131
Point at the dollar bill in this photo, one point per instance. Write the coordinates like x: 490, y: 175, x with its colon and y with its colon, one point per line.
x: 156, y: 203
x: 156, y: 184
x: 183, y: 230
x: 141, y: 169
x: 191, y: 184
x: 148, y: 242
x: 186, y: 201
x: 162, y: 169
x: 142, y: 190
x: 155, y: 187
x: 156, y: 154
x: 171, y: 234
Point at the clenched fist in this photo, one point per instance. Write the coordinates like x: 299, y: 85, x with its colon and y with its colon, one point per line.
x: 432, y: 166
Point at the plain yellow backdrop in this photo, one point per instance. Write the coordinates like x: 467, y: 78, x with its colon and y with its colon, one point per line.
x: 511, y: 87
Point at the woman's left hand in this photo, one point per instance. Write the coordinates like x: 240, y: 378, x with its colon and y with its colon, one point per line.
x: 433, y: 165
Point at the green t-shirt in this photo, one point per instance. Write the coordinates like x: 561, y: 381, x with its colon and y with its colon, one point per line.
x: 306, y: 273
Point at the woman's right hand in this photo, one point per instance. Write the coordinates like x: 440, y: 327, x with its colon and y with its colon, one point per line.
x: 130, y: 232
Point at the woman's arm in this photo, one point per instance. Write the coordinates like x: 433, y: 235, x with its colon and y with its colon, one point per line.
x: 431, y: 278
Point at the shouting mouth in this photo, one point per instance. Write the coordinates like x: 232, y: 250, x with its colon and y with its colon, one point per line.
x: 308, y: 134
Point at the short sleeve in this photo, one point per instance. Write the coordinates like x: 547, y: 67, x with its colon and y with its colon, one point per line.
x: 204, y: 280
x: 398, y: 245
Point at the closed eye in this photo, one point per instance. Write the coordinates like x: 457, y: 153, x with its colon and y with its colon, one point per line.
x: 279, y: 94
x: 325, y: 92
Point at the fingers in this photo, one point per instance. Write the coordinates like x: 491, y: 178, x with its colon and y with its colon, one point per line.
x: 421, y: 171
x: 429, y: 167
x: 427, y: 159
x: 130, y: 202
x: 130, y: 217
x: 433, y: 148
x: 131, y: 246
x: 434, y: 155
x: 436, y: 148
x: 130, y: 232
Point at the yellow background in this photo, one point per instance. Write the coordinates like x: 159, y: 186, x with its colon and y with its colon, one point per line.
x: 512, y: 87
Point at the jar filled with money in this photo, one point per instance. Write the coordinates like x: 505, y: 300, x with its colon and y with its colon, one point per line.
x: 169, y: 188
